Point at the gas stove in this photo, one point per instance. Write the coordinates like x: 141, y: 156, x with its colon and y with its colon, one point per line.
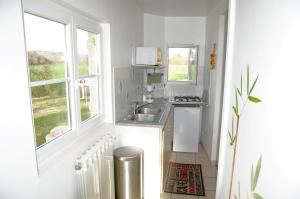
x: 186, y: 100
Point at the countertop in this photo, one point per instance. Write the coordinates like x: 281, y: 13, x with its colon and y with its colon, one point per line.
x: 167, y: 107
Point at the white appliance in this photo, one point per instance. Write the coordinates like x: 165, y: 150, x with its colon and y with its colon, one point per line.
x: 148, y: 56
x: 187, y: 125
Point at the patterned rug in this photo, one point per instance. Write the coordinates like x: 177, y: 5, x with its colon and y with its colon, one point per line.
x: 185, y: 179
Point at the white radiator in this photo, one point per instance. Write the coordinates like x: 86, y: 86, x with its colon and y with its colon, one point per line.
x: 95, y: 170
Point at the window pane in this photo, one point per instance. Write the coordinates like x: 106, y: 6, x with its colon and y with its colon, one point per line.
x: 89, y: 103
x: 193, y: 64
x: 182, y: 64
x: 45, y: 43
x: 50, y: 111
x: 87, y: 52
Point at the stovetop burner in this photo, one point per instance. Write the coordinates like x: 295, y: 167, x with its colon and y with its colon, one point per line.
x: 187, y: 99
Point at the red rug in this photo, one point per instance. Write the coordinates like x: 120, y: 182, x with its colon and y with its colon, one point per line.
x: 185, y: 179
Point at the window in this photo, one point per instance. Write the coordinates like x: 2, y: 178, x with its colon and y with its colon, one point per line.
x: 65, y: 87
x: 87, y: 62
x: 182, y: 64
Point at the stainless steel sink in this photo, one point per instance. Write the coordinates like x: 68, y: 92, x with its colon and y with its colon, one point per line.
x: 146, y: 114
x: 144, y: 117
x: 147, y: 110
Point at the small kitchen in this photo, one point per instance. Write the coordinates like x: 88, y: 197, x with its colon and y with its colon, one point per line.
x: 142, y: 99
x: 164, y: 102
x: 124, y: 74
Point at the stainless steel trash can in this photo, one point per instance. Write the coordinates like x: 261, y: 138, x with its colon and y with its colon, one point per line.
x: 128, y: 163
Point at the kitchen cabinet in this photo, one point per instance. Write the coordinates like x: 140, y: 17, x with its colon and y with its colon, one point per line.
x: 156, y: 141
x: 147, y: 138
x: 166, y: 146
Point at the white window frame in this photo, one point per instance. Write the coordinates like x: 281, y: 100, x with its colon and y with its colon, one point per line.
x: 72, y: 20
x: 192, y: 82
x: 90, y: 27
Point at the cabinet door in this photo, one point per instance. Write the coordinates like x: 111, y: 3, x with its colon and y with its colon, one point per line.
x: 166, y: 141
x: 186, y: 129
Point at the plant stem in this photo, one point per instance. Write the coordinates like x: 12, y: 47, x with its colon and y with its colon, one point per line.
x: 234, y: 156
x: 244, y: 105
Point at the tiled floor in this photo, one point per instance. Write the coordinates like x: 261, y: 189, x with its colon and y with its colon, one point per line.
x: 209, y: 173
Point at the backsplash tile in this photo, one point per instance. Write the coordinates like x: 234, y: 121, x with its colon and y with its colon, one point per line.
x: 128, y: 88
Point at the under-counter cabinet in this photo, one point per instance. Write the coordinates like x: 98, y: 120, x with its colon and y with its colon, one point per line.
x: 156, y: 141
x: 166, y: 146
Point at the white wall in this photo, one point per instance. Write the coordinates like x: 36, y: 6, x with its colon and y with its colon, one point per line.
x: 154, y: 28
x: 213, y: 83
x: 213, y: 79
x: 266, y: 36
x: 187, y: 30
x: 18, y: 169
x: 162, y: 31
x: 126, y: 24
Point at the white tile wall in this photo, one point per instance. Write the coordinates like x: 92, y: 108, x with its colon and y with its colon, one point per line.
x: 183, y: 89
x: 128, y: 88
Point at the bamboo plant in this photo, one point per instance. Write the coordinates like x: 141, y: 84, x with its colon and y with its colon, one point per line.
x: 244, y: 97
x: 253, y: 183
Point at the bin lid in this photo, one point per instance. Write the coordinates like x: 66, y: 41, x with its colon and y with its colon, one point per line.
x: 128, y: 153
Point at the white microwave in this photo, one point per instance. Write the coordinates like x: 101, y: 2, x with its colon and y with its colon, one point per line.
x: 148, y: 56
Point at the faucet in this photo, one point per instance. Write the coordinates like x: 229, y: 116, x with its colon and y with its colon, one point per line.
x: 136, y: 107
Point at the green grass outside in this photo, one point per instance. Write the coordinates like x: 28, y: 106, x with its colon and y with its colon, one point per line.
x: 85, y: 113
x: 50, y: 112
x: 193, y: 73
x: 47, y: 71
x: 52, y: 71
x: 181, y: 73
x: 178, y: 73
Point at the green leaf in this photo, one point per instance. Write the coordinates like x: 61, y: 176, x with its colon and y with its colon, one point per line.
x: 254, y: 99
x: 230, y: 137
x: 257, y: 196
x: 248, y: 77
x: 253, y: 85
x: 252, y: 179
x: 235, y: 196
x: 233, y: 140
x: 241, y: 89
x: 240, y: 93
x: 236, y: 101
x: 257, y: 172
x: 235, y: 111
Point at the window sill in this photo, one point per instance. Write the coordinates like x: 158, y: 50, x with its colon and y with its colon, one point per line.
x: 181, y: 82
x: 71, y: 145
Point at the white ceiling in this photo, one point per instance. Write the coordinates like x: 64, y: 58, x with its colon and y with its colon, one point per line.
x: 173, y: 8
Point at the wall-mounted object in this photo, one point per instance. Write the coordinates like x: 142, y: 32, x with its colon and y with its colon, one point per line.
x: 148, y: 56
x: 154, y: 78
x: 212, y: 59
